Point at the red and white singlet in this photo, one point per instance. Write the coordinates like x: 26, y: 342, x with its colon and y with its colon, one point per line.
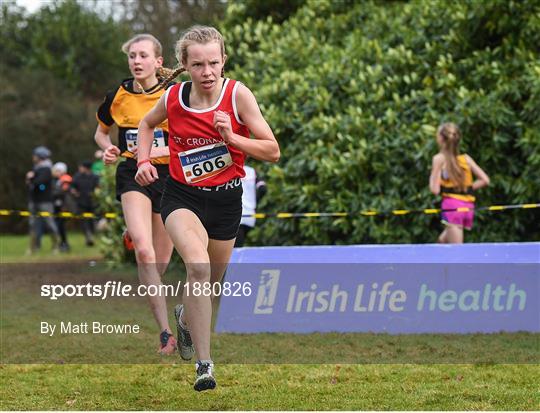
x: 199, y: 157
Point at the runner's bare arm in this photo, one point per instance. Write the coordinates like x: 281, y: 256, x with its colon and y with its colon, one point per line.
x: 103, y: 139
x: 435, y: 177
x: 146, y: 128
x: 264, y: 147
x: 147, y: 173
x: 482, y: 178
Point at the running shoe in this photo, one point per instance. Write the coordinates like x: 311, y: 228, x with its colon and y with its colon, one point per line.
x: 167, y: 344
x: 128, y: 242
x: 205, y: 379
x: 185, y: 348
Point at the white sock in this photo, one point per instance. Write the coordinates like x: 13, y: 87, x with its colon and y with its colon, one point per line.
x: 206, y: 361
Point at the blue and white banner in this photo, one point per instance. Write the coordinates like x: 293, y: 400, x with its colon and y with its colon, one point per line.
x: 394, y: 289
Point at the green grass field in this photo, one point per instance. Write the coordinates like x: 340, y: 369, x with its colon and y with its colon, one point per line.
x: 271, y: 387
x: 13, y: 248
x: 295, y: 371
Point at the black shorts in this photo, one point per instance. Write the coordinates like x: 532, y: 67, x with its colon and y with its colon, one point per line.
x: 125, y: 182
x: 219, y: 208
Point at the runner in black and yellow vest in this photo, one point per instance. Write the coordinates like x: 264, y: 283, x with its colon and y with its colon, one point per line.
x: 452, y: 177
x: 125, y: 107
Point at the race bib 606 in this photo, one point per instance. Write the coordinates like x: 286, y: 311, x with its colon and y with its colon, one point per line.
x: 204, y: 162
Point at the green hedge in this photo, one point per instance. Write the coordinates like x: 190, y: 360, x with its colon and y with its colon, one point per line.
x: 354, y: 92
x: 111, y: 241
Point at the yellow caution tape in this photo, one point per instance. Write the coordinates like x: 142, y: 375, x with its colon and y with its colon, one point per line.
x: 368, y: 213
x: 400, y: 212
x: 283, y: 215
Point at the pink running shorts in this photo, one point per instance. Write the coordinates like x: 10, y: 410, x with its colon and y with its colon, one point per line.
x: 463, y: 218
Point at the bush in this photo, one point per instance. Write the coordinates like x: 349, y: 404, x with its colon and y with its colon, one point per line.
x: 354, y: 92
x: 111, y: 241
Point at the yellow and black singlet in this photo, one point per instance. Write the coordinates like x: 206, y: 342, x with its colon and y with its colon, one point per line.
x: 450, y: 189
x: 126, y: 107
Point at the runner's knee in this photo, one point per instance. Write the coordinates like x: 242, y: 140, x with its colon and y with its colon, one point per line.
x: 145, y: 254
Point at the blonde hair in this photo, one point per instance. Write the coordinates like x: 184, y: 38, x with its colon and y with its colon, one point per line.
x: 193, y: 35
x: 197, y: 35
x: 158, y: 49
x: 450, y: 138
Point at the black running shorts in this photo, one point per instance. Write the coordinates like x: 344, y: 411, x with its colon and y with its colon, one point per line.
x: 219, y: 208
x: 125, y: 182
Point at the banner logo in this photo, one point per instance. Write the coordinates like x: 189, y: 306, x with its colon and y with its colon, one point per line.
x: 266, y: 294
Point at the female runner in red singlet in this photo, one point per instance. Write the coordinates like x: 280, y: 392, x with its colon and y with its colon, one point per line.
x: 210, y: 121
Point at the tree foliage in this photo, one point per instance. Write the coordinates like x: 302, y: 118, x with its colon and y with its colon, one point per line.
x: 68, y: 40
x: 354, y: 92
x: 56, y: 65
x: 168, y: 19
x: 37, y: 110
x: 238, y: 12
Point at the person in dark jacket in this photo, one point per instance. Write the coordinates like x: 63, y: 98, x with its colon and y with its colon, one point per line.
x: 83, y: 186
x: 61, y: 197
x: 39, y: 183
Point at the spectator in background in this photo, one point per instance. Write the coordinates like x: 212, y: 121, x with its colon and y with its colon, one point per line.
x: 254, y: 189
x: 61, y: 196
x: 97, y: 169
x: 83, y: 186
x: 98, y: 165
x: 39, y: 183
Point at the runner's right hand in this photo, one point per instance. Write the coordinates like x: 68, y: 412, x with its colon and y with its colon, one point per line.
x: 146, y: 174
x: 110, y: 155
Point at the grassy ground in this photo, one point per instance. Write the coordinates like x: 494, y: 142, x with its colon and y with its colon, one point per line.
x: 271, y: 387
x: 471, y: 378
x: 13, y: 248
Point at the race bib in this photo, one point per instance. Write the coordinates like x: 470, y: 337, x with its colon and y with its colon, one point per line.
x: 204, y: 162
x: 131, y: 139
